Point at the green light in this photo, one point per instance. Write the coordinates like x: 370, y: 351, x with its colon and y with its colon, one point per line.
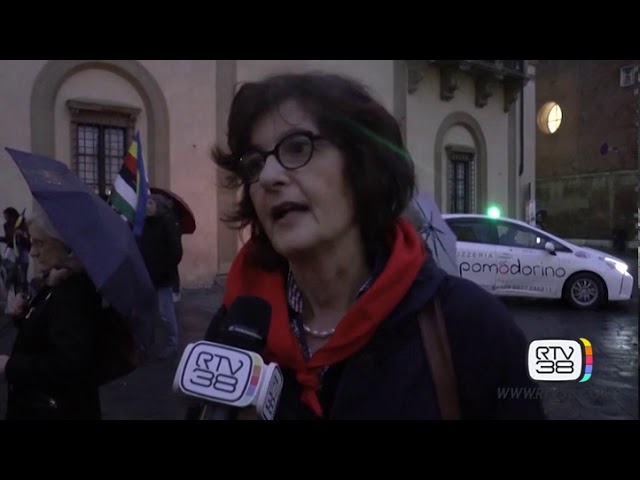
x: 493, y: 212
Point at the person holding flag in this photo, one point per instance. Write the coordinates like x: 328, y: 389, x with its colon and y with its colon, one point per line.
x: 128, y: 198
x: 156, y: 233
x: 161, y: 250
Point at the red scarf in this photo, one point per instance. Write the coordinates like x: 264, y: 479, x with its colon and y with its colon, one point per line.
x: 352, y: 332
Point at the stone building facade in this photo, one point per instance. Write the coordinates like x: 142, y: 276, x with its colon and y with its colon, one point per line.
x: 472, y: 118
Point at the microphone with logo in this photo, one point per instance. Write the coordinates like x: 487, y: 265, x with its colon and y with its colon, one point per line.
x: 228, y: 373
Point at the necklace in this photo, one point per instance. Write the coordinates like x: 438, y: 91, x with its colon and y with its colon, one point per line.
x: 316, y: 333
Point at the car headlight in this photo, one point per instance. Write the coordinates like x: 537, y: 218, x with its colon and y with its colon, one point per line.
x: 619, y: 266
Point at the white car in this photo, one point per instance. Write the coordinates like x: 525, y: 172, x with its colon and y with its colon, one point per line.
x: 511, y: 258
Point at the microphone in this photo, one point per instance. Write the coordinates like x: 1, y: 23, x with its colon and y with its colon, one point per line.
x: 228, y: 373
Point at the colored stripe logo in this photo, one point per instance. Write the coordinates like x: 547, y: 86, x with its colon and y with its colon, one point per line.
x: 255, y: 379
x: 588, y: 360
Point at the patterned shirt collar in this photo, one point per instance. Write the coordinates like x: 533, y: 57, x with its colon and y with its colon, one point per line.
x: 294, y: 294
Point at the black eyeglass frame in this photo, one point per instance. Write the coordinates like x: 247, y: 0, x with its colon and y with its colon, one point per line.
x: 311, y: 136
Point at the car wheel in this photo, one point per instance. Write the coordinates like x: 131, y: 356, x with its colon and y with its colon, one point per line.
x: 585, y: 290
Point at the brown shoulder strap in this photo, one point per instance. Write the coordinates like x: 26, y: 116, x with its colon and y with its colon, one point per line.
x: 436, y: 344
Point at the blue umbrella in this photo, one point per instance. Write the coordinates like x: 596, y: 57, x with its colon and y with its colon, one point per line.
x: 100, y: 238
x: 436, y: 233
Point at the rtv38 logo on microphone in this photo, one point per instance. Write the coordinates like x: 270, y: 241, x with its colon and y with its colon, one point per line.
x: 226, y: 373
x: 222, y: 373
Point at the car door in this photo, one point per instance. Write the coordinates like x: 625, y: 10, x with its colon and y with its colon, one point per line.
x: 526, y: 268
x: 476, y: 242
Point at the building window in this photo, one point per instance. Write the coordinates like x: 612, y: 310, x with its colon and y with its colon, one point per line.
x: 462, y: 173
x: 99, y: 152
x: 100, y: 137
x: 549, y: 117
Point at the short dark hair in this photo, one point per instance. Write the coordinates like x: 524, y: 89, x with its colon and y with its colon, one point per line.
x: 12, y: 213
x: 378, y: 168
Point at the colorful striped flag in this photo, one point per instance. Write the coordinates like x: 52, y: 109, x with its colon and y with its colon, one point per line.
x: 131, y: 188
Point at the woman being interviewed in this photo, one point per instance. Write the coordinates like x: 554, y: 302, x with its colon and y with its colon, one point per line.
x: 325, y: 180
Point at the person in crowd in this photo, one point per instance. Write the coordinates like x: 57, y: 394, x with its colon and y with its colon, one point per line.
x: 51, y: 370
x: 161, y: 249
x: 15, y: 256
x: 176, y: 288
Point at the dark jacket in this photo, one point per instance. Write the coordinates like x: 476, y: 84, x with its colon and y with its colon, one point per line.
x: 51, y: 370
x: 16, y: 272
x: 161, y: 248
x: 23, y: 241
x: 390, y: 378
x: 9, y: 229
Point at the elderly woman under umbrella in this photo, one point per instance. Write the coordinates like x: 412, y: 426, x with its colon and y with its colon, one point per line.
x: 51, y: 371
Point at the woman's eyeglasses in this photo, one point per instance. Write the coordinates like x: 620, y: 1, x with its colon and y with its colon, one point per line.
x: 293, y: 151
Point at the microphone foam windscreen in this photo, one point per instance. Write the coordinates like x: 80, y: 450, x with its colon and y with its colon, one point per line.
x: 247, y: 324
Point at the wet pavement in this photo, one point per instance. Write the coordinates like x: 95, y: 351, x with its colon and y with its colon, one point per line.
x: 611, y: 393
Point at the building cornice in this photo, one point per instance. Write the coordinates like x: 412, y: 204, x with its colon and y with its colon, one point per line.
x: 488, y: 77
